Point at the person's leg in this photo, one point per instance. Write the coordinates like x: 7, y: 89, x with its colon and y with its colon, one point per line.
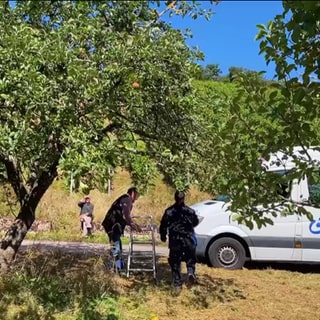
x: 81, y: 225
x: 119, y: 260
x: 89, y: 226
x: 116, y: 244
x: 190, y: 258
x: 86, y: 225
x: 175, y: 264
x: 116, y: 250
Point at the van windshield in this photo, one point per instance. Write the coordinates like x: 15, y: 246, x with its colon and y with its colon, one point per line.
x: 222, y: 197
x: 283, y: 187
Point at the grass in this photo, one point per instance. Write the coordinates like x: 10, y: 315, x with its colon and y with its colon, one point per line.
x: 50, y: 285
x: 55, y: 286
x: 97, y: 237
x: 60, y: 207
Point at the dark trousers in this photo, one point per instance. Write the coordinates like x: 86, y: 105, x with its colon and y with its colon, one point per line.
x: 116, y: 261
x: 182, y: 251
x: 116, y: 244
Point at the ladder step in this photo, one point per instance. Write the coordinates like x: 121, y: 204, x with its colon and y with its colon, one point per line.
x: 143, y: 260
x: 141, y: 269
x: 139, y: 262
x: 142, y: 242
x: 141, y: 252
x: 142, y: 256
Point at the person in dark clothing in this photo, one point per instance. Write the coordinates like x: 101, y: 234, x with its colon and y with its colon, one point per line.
x: 115, y: 221
x: 86, y: 216
x: 179, y: 221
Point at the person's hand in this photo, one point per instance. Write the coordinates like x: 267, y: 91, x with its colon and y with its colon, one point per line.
x: 163, y: 238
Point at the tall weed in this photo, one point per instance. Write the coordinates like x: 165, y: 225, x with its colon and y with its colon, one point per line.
x: 43, y: 284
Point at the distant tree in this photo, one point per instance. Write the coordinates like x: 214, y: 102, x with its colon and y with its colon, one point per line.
x: 211, y: 72
x: 234, y: 72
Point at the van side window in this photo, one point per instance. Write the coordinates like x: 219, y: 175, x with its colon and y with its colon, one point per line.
x: 314, y: 190
x: 284, y: 190
x: 283, y: 187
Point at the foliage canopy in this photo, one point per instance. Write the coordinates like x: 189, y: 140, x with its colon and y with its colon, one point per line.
x: 264, y: 118
x: 89, y: 85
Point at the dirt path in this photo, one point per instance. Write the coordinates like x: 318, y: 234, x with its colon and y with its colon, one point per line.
x: 85, y: 248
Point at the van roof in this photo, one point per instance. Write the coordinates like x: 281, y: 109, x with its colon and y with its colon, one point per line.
x: 281, y: 160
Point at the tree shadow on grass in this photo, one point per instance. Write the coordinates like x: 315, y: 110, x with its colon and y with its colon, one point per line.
x: 203, y: 294
x: 291, y: 267
x: 43, y: 284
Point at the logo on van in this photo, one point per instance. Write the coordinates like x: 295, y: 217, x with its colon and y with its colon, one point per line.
x: 314, y: 226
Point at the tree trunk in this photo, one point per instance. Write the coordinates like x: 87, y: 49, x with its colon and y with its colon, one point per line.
x: 13, y: 238
x: 29, y: 201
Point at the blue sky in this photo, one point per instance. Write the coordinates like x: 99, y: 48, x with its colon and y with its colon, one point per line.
x: 228, y: 38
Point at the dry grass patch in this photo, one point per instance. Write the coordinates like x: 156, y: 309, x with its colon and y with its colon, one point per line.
x: 60, y: 207
x: 50, y: 285
x: 247, y: 294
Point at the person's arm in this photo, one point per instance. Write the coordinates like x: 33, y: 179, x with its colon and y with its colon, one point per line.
x: 81, y: 203
x: 126, y: 205
x: 195, y: 219
x: 164, y: 227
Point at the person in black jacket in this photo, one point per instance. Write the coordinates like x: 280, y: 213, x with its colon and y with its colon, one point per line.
x: 115, y: 221
x: 179, y: 221
x: 86, y: 216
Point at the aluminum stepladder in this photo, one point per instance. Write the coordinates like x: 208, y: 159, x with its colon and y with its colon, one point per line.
x: 142, y: 259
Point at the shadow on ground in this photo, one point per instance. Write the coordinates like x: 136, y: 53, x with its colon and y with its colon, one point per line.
x: 293, y: 267
x: 56, y: 280
x: 201, y: 295
x: 43, y: 283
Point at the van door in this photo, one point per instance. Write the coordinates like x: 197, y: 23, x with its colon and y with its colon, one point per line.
x: 311, y: 228
x: 275, y: 242
x: 280, y: 241
x: 311, y: 235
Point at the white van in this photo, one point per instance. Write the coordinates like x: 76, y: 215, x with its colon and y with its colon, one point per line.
x: 224, y: 243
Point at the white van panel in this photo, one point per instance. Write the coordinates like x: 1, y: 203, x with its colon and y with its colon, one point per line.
x: 300, y: 190
x: 311, y: 235
x: 279, y: 238
x: 276, y: 254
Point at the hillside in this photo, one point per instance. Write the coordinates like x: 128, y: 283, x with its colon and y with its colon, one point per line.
x: 59, y: 206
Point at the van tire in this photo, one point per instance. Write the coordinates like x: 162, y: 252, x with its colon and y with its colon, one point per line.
x: 227, y: 253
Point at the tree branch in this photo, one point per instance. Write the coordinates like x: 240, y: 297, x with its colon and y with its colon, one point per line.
x: 14, y: 176
x: 41, y: 184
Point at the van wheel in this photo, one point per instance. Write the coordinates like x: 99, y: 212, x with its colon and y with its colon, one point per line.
x: 227, y: 253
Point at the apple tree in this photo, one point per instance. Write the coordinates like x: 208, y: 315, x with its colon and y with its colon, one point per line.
x: 85, y: 86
